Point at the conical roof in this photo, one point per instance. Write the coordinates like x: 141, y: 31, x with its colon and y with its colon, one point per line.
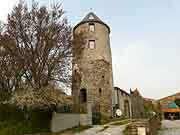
x: 91, y: 17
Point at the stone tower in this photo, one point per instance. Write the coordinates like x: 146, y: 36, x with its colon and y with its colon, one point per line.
x: 92, y: 72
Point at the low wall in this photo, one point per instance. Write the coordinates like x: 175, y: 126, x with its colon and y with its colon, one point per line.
x: 63, y: 121
x: 137, y: 126
x: 85, y: 120
x: 144, y: 126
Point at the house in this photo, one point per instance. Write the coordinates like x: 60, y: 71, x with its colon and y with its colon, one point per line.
x: 122, y: 101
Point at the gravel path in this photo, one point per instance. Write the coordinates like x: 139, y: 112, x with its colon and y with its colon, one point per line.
x: 170, y: 127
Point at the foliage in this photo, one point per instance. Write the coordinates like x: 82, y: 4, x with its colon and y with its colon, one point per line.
x: 152, y: 109
x: 125, y: 132
x: 35, y: 49
x: 14, y: 121
x: 46, y: 98
x: 177, y: 101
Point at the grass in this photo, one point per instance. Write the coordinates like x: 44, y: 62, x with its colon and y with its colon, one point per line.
x: 79, y: 129
x: 125, y: 132
x: 69, y: 131
x: 76, y: 129
x: 118, y: 123
x: 117, y: 119
x: 18, y: 128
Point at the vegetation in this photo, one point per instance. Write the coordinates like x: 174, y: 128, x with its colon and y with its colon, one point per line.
x: 79, y: 129
x: 125, y: 132
x: 75, y: 129
x: 14, y: 121
x: 152, y: 109
x: 122, y: 122
x: 47, y: 98
x: 118, y: 119
x: 177, y: 101
x: 36, y: 49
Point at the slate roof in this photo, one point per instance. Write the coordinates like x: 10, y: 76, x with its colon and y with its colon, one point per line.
x: 123, y: 91
x: 90, y: 18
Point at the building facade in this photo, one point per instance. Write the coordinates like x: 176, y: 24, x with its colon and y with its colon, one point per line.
x: 137, y: 105
x: 170, y: 106
x: 122, y: 101
x: 92, y: 72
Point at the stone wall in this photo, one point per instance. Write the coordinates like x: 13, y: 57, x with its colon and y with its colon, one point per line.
x: 96, y: 80
x: 95, y: 69
x: 150, y: 126
x: 137, y: 106
x: 135, y: 125
x: 121, y: 100
x: 155, y: 124
x: 101, y: 36
x: 62, y: 121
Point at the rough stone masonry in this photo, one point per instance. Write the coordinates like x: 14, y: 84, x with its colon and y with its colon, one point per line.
x: 95, y: 84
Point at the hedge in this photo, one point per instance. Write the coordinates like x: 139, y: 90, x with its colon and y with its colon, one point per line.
x: 14, y: 121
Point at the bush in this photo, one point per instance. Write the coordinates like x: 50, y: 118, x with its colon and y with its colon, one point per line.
x: 14, y: 121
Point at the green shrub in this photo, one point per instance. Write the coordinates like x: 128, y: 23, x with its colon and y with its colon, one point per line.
x: 14, y: 121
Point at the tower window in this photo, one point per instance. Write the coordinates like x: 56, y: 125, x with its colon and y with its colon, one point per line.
x: 92, y: 27
x: 91, y: 44
x: 100, y: 91
x: 83, y: 95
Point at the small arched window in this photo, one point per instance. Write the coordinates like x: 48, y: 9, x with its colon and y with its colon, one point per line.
x: 100, y: 91
x: 83, y: 95
x: 91, y: 44
x: 92, y: 27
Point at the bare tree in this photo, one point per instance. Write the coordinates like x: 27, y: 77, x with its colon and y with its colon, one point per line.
x: 39, y: 41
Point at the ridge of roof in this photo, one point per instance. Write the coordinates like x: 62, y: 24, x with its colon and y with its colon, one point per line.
x: 117, y: 88
x: 168, y: 96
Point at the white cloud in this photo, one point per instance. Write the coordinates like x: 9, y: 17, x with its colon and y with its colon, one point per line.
x: 6, y: 7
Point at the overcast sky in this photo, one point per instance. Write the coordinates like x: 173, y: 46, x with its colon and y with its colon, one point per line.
x: 145, y: 40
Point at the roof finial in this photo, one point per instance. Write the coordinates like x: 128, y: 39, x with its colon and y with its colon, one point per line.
x: 91, y: 9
